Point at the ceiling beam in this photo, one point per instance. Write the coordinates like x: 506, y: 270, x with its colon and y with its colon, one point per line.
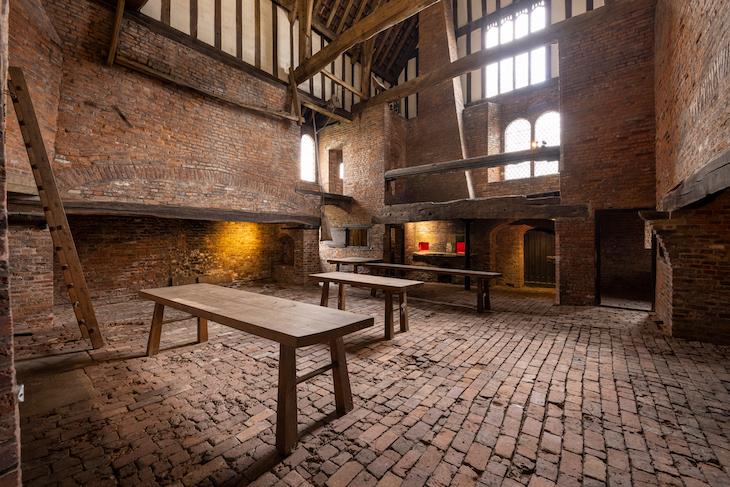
x: 118, y: 16
x: 386, y: 16
x: 343, y: 20
x: 305, y: 28
x: 331, y: 18
x: 413, y: 22
x: 492, y: 160
x: 486, y: 56
x: 346, y: 86
x: 366, y: 63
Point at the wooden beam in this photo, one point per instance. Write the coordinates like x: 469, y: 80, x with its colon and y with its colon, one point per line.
x: 510, y: 207
x: 294, y: 12
x: 386, y: 16
x: 346, y: 86
x: 136, y: 5
x: 493, y: 160
x: 305, y: 29
x: 481, y: 58
x: 712, y: 178
x: 366, y: 64
x: 295, y: 98
x: 128, y: 63
x: 335, y: 113
x: 343, y: 20
x: 118, y: 16
x: 389, y: 38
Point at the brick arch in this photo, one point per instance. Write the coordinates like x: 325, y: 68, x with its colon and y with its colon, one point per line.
x: 507, y: 243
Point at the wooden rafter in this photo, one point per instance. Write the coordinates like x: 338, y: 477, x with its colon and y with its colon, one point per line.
x: 386, y: 16
x: 389, y: 37
x: 404, y: 38
x: 346, y: 86
x: 343, y: 20
x: 366, y: 64
x: 118, y: 16
x: 482, y: 58
x: 305, y: 28
x: 333, y: 12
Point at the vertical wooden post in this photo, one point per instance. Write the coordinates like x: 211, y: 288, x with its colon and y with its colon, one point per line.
x: 403, y: 311
x: 389, y: 328
x: 286, y: 410
x: 343, y: 394
x: 341, y: 296
x: 325, y: 294
x: 153, y: 344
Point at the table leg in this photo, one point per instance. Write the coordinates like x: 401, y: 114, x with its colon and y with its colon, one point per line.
x: 341, y: 296
x: 487, y: 303
x: 153, y: 344
x: 389, y: 330
x: 343, y: 394
x: 325, y: 294
x: 286, y: 409
x: 480, y: 295
x: 337, y: 267
x: 202, y: 330
x: 403, y: 311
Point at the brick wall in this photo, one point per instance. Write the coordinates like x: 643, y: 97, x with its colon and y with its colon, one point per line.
x: 372, y: 143
x: 31, y: 274
x: 694, y: 289
x: 124, y: 136
x: 122, y: 255
x: 36, y: 47
x: 625, y: 269
x: 608, y: 128
x: 693, y: 68
x: 9, y: 417
x: 508, y: 254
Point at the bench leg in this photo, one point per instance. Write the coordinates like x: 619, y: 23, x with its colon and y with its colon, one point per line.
x: 341, y: 296
x: 202, y: 330
x: 337, y: 267
x: 325, y: 294
x: 343, y: 394
x: 403, y: 311
x: 389, y: 330
x: 286, y: 409
x: 153, y: 344
x: 480, y: 295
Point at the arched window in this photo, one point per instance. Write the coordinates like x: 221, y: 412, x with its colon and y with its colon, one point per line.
x: 307, y: 159
x: 517, y: 137
x: 547, y: 134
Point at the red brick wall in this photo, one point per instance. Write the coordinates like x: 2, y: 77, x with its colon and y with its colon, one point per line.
x: 35, y: 47
x: 663, y: 293
x: 31, y: 275
x: 508, y: 254
x: 177, y: 146
x: 608, y: 129
x: 120, y: 256
x: 9, y: 417
x: 696, y: 244
x: 625, y: 262
x: 693, y: 66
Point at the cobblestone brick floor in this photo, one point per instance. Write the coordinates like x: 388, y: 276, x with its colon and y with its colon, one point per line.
x: 527, y: 394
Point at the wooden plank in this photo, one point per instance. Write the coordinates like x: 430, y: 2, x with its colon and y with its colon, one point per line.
x: 153, y: 343
x: 386, y: 16
x: 477, y: 60
x: 295, y: 98
x: 118, y: 16
x: 63, y: 242
x: 711, y: 178
x: 366, y: 280
x: 218, y: 19
x: 333, y: 11
x: 286, y: 408
x: 492, y: 160
x: 337, y: 80
x: 333, y: 113
x: 512, y: 207
x: 165, y: 14
x: 179, y: 81
x: 257, y: 29
x: 239, y: 29
x: 343, y: 20
x: 194, y: 19
x: 340, y: 377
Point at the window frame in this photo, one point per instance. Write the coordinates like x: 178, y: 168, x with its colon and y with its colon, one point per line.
x: 533, y: 142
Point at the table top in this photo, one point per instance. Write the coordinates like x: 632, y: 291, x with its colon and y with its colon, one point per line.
x: 353, y: 260
x: 368, y: 280
x: 290, y: 323
x: 437, y: 270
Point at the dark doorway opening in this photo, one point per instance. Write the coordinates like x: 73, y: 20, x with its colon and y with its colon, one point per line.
x: 625, y: 261
x: 540, y: 258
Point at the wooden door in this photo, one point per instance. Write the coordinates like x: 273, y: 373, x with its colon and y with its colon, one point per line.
x: 539, y: 258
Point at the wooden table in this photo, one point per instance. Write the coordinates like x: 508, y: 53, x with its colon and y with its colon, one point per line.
x: 389, y: 285
x: 355, y: 262
x: 482, y: 277
x: 289, y: 323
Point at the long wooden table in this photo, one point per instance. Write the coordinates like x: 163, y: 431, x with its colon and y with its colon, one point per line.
x: 389, y: 285
x: 290, y: 323
x: 355, y: 262
x: 483, y: 277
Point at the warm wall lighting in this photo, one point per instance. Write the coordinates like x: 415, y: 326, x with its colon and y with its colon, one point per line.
x: 534, y: 144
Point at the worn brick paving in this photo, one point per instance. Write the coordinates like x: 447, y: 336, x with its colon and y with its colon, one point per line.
x: 527, y: 394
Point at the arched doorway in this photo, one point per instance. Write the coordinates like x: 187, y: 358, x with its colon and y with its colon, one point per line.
x: 539, y: 257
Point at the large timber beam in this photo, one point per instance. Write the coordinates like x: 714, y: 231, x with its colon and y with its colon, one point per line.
x: 712, y: 178
x: 493, y: 160
x: 512, y: 207
x: 481, y: 58
x: 384, y: 17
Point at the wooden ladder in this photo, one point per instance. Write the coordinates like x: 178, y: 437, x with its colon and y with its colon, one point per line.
x: 63, y: 243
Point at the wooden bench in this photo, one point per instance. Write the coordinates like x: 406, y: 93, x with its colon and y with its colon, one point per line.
x: 389, y: 285
x: 290, y: 323
x: 355, y: 262
x: 482, y: 278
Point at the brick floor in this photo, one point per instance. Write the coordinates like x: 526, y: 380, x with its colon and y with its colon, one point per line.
x: 527, y: 394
